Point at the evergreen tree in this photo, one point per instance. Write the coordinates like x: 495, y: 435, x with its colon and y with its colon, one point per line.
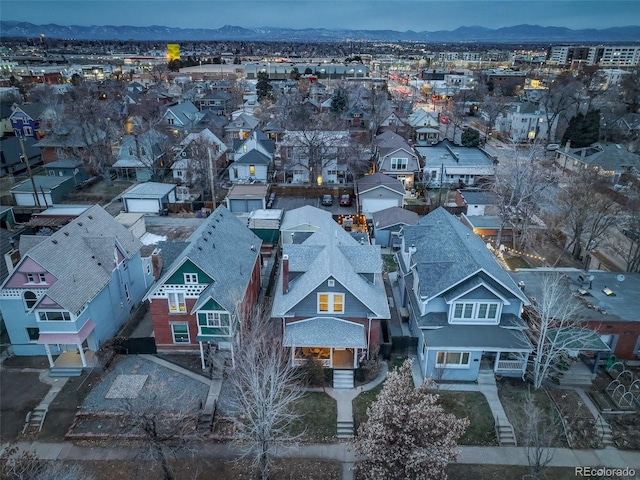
x: 263, y: 87
x: 339, y: 102
x: 470, y: 138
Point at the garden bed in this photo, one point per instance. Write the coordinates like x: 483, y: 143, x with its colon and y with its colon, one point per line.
x: 578, y: 420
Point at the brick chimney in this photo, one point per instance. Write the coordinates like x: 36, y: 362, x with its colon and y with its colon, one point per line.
x: 285, y: 273
x: 157, y: 262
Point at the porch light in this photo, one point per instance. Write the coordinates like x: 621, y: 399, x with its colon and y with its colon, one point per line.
x: 319, y: 180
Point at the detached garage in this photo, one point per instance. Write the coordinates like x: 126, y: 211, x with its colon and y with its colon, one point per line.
x: 247, y: 198
x: 50, y: 190
x: 150, y: 197
x: 378, y: 192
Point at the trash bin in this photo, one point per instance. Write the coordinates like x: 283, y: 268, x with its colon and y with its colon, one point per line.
x: 199, y: 214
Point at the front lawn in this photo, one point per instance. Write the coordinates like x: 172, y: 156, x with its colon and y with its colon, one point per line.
x: 474, y: 406
x: 389, y: 263
x: 362, y: 402
x: 515, y: 263
x: 319, y: 417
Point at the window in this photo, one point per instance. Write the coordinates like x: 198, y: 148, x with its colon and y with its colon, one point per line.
x: 42, y: 278
x: 176, y: 302
x: 244, y: 148
x: 475, y: 311
x: 30, y: 278
x: 252, y: 169
x: 191, y: 278
x: 216, y: 319
x: 28, y: 131
x: 126, y: 292
x: 30, y: 299
x: 399, y: 163
x: 148, y: 269
x: 331, y: 283
x: 453, y: 359
x: 54, y: 316
x: 33, y: 334
x: 170, y: 120
x: 180, y: 332
x: 330, y: 303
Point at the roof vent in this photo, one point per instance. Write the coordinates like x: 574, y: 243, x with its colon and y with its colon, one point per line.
x: 253, y: 248
x: 80, y: 223
x: 99, y: 264
x: 90, y: 217
x: 55, y: 242
x: 66, y: 234
x: 205, y: 239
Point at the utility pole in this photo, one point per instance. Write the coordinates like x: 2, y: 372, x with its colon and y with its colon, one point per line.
x: 211, y: 178
x: 25, y: 158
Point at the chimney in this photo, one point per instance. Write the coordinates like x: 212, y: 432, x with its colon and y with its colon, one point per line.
x: 285, y: 273
x: 157, y: 263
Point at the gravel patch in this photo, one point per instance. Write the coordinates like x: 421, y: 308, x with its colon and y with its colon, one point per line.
x: 126, y: 386
x: 174, y: 391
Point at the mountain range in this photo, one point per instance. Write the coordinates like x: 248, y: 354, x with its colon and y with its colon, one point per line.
x: 512, y: 35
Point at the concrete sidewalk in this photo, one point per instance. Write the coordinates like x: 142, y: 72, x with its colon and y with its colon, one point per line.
x: 343, y: 452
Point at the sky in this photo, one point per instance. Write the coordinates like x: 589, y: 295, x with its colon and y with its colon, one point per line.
x: 401, y: 15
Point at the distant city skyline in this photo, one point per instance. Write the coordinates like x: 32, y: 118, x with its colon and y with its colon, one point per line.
x: 400, y: 15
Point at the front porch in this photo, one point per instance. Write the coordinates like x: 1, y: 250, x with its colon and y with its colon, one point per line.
x: 508, y: 364
x: 72, y: 363
x: 333, y: 342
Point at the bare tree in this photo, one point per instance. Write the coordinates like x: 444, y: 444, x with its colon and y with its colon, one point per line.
x: 539, y: 433
x: 521, y: 184
x: 160, y: 426
x: 559, y: 100
x: 554, y: 327
x: 492, y: 107
x: 407, y: 433
x: 587, y: 213
x: 16, y: 464
x: 265, y: 388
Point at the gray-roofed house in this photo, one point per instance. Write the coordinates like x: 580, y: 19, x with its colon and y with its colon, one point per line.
x: 68, y: 167
x: 252, y: 158
x: 387, y: 224
x: 447, y: 164
x: 182, y: 116
x: 208, y: 288
x: 11, y: 155
x: 609, y: 160
x: 149, y: 197
x: 71, y: 291
x: 378, y: 192
x: 141, y: 157
x: 395, y: 157
x: 463, y: 307
x: 477, y: 202
x: 329, y: 294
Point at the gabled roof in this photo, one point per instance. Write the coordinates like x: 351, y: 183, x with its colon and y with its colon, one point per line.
x: 609, y: 157
x: 306, y: 215
x: 254, y: 157
x: 380, y: 180
x: 149, y: 190
x: 224, y: 249
x: 394, y: 216
x: 447, y: 253
x: 330, y: 252
x: 32, y: 110
x: 185, y: 112
x: 10, y: 150
x: 91, y: 239
x: 243, y: 121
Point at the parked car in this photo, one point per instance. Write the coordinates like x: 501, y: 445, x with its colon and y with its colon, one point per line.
x: 552, y: 147
x: 345, y: 200
x: 327, y: 200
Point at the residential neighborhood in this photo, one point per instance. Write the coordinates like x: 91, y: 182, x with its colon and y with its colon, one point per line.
x: 180, y: 237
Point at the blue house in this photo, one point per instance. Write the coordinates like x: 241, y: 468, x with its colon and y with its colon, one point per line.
x: 463, y: 307
x: 71, y: 291
x: 29, y: 118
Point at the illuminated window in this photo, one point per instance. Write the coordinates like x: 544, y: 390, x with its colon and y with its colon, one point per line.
x: 330, y: 303
x: 452, y: 359
x: 176, y: 302
x: 252, y: 169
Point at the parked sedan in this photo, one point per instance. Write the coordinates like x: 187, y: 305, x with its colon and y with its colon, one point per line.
x: 345, y: 200
x: 327, y: 200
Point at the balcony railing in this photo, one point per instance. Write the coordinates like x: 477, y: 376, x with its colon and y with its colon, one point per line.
x: 510, y: 365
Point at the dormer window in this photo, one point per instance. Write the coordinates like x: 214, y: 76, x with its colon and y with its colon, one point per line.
x: 30, y: 278
x: 463, y: 311
x: 42, y: 278
x: 191, y: 278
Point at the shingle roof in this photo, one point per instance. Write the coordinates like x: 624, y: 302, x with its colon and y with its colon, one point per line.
x: 254, y: 157
x: 80, y: 256
x: 369, y: 182
x: 394, y: 216
x: 487, y: 337
x: 330, y: 252
x: 324, y: 332
x: 149, y: 190
x: 225, y: 250
x: 447, y: 253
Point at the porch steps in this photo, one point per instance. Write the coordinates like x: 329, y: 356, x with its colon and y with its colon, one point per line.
x: 505, y: 433
x: 605, y: 433
x: 343, y: 380
x: 34, y: 421
x: 345, y: 429
x: 65, y: 371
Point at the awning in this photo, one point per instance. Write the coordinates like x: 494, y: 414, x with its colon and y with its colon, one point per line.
x: 68, y: 338
x: 576, y: 338
x: 324, y: 332
x: 213, y: 338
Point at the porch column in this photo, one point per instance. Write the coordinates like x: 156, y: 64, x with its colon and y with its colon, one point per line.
x: 355, y: 358
x: 524, y: 364
x: 82, y: 357
x: 495, y: 362
x: 596, y: 363
x: 331, y: 358
x: 202, y: 355
x: 49, y: 356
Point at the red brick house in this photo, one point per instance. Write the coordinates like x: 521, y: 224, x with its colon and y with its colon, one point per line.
x: 207, y: 287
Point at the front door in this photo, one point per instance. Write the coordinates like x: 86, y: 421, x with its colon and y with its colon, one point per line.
x: 343, y: 358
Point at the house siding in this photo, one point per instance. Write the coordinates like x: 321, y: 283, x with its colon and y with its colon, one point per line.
x: 628, y: 333
x: 308, y: 307
x: 455, y: 374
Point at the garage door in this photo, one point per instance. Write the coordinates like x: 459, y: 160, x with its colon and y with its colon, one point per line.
x: 139, y: 205
x: 239, y: 205
x: 370, y: 205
